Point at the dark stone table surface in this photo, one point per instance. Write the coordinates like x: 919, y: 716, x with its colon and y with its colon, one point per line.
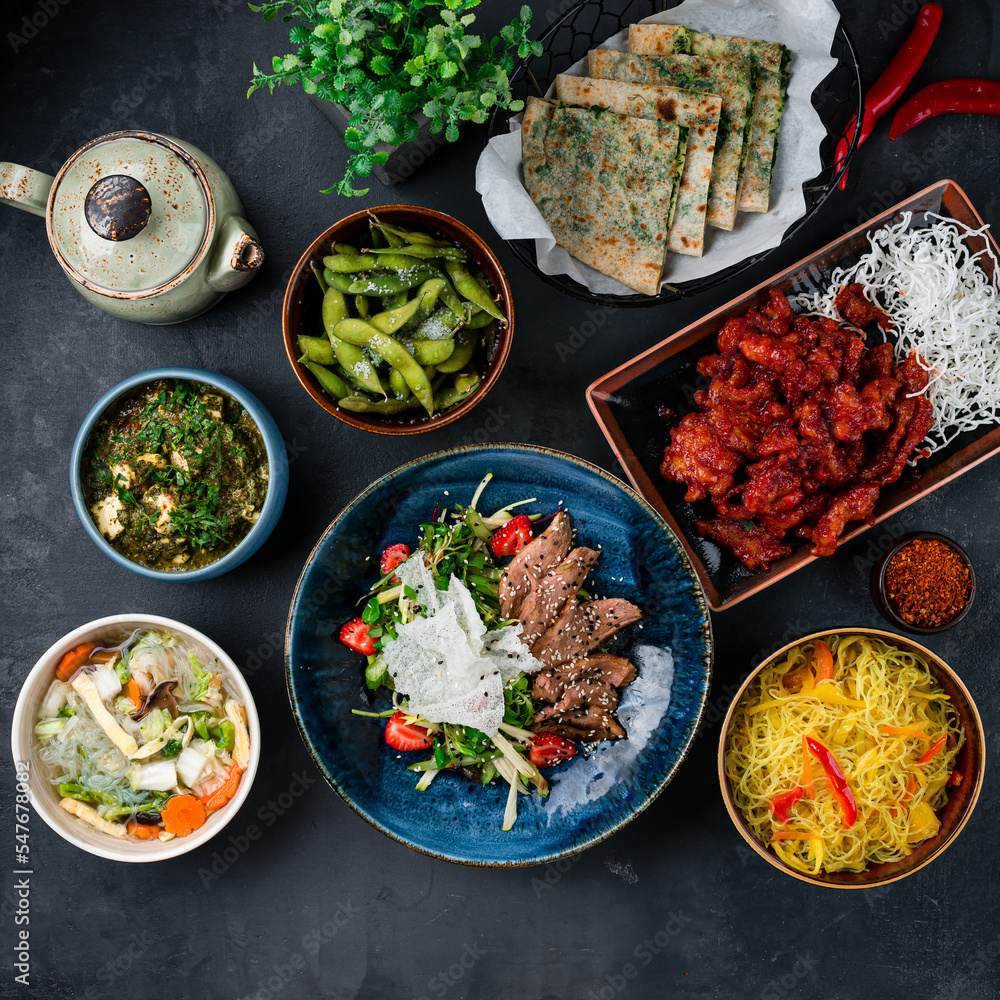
x: 322, y: 905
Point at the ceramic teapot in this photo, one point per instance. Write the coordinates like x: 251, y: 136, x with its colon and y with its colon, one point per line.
x: 145, y: 226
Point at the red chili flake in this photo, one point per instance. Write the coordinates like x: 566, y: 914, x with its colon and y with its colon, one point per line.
x: 927, y: 583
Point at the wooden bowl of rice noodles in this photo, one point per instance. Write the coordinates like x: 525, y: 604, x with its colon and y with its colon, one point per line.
x: 887, y: 713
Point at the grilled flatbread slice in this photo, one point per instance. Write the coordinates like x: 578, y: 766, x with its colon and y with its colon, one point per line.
x: 770, y: 60
x: 732, y: 80
x: 698, y: 113
x: 605, y: 184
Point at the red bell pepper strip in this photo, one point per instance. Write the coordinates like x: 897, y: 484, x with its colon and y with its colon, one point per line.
x: 891, y: 84
x: 934, y: 750
x: 836, y: 781
x: 780, y: 805
x: 970, y: 97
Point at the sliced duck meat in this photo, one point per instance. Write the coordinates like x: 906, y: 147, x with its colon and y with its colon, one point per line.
x: 551, y: 684
x: 533, y: 561
x: 583, y: 627
x: 584, y: 726
x: 547, y: 598
x: 580, y: 695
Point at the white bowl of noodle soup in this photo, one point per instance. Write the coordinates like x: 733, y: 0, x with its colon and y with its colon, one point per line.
x: 44, y: 796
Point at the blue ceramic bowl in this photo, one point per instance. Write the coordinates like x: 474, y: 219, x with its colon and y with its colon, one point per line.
x: 277, y: 461
x: 457, y: 819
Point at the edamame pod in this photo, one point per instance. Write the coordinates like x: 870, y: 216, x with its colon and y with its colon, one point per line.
x: 331, y: 383
x: 342, y: 282
x: 334, y: 309
x: 347, y: 249
x: 433, y: 352
x: 361, y: 306
x: 401, y: 260
x: 357, y: 367
x: 390, y: 283
x: 440, y: 325
x: 343, y: 264
x: 466, y: 383
x: 450, y: 298
x: 392, y: 319
x: 395, y: 301
x: 465, y: 346
x: 467, y: 286
x: 403, y: 234
x: 319, y: 277
x: 360, y: 333
x: 451, y: 396
x: 428, y: 251
x: 398, y: 385
x: 387, y: 408
x: 479, y: 320
x: 316, y: 349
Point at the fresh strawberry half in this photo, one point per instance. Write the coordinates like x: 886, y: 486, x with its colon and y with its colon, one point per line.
x: 547, y: 749
x: 354, y: 635
x: 513, y: 536
x: 403, y: 735
x: 392, y: 557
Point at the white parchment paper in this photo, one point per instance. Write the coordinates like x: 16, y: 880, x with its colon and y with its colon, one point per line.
x: 807, y: 27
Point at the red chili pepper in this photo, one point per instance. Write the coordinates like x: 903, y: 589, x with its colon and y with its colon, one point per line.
x: 969, y: 97
x: 933, y: 751
x: 836, y: 781
x: 891, y: 84
x: 780, y: 805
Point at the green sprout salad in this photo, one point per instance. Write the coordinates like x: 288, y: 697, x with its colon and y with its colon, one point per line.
x: 450, y: 586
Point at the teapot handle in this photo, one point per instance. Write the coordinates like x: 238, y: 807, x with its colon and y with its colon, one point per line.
x: 236, y: 256
x: 24, y: 188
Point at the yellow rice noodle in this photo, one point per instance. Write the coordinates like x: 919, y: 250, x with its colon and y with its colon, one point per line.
x: 876, y: 690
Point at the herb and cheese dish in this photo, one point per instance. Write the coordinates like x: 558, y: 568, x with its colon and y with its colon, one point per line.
x: 496, y: 670
x: 141, y: 735
x: 175, y: 474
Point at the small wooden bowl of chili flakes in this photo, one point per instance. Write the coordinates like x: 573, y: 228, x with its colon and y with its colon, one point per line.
x: 924, y: 584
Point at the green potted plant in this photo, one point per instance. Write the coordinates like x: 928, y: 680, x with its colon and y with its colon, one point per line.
x: 395, y: 77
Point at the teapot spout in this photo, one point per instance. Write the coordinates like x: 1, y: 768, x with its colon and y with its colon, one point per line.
x: 25, y: 188
x: 236, y: 257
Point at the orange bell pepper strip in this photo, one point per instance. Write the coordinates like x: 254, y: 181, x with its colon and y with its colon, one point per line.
x: 823, y: 662
x: 905, y: 731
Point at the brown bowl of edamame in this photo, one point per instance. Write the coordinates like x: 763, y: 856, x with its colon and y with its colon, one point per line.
x: 397, y: 319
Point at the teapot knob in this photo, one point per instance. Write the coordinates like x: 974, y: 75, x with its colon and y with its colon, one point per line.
x: 117, y: 207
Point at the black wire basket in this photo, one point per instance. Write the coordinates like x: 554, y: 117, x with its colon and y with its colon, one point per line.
x: 591, y: 22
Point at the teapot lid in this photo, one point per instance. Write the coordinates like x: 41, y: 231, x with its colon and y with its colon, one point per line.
x: 130, y: 213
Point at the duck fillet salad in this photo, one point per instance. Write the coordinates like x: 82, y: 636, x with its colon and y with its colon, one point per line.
x: 485, y: 638
x: 140, y: 735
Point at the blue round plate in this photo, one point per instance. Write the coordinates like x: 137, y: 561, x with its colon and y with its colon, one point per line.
x: 592, y: 797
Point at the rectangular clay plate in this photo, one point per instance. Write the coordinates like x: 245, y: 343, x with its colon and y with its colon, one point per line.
x: 626, y: 403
